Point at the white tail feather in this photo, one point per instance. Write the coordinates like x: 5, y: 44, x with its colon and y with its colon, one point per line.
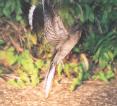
x: 48, y: 80
x: 30, y: 15
x: 43, y: 3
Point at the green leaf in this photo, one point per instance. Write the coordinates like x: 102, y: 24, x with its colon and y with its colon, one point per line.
x: 34, y: 80
x: 66, y: 16
x: 20, y: 83
x: 76, y: 82
x: 110, y: 74
x: 8, y: 56
x: 86, y: 75
x: 1, y: 71
x: 101, y: 76
x: 59, y: 69
x: 67, y: 70
x: 24, y: 77
x: 39, y: 63
x: 81, y: 14
x: 7, y: 8
x: 2, y: 42
x: 13, y: 82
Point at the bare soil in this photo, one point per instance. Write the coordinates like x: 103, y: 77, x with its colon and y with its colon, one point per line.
x: 90, y: 93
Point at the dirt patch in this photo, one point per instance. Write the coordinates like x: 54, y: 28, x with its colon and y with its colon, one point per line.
x: 91, y: 93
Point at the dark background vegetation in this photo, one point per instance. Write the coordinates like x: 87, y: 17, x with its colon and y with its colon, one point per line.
x: 25, y: 55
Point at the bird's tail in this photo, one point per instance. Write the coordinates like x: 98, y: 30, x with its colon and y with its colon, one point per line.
x: 30, y: 15
x: 48, y: 80
x: 44, y: 10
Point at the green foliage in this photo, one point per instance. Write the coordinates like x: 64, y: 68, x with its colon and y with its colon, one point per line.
x: 27, y: 69
x: 8, y: 56
x: 65, y: 15
x: 1, y: 71
x: 90, y: 42
x: 104, y: 76
x: 72, y: 10
x: 78, y: 72
x: 1, y: 42
x: 99, y: 20
x: 11, y: 9
x: 59, y: 69
x: 81, y: 74
x: 106, y: 50
x: 35, y: 2
x: 79, y: 77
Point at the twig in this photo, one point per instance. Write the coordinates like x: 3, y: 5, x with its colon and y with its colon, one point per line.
x: 16, y: 45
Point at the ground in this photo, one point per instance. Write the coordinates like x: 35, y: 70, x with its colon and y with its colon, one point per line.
x: 90, y: 93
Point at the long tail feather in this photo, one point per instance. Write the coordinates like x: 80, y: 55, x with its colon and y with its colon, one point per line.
x: 30, y: 16
x: 43, y: 3
x: 48, y: 80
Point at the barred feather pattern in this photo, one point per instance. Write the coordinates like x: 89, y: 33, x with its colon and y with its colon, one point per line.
x: 58, y: 57
x: 61, y: 39
x: 54, y: 29
x: 66, y: 47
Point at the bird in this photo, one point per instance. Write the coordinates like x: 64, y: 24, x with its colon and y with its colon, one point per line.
x: 61, y: 39
x: 60, y: 54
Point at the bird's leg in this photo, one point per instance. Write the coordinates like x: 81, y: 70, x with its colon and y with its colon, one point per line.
x: 54, y: 51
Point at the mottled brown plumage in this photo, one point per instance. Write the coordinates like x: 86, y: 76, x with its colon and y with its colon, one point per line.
x: 59, y: 37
